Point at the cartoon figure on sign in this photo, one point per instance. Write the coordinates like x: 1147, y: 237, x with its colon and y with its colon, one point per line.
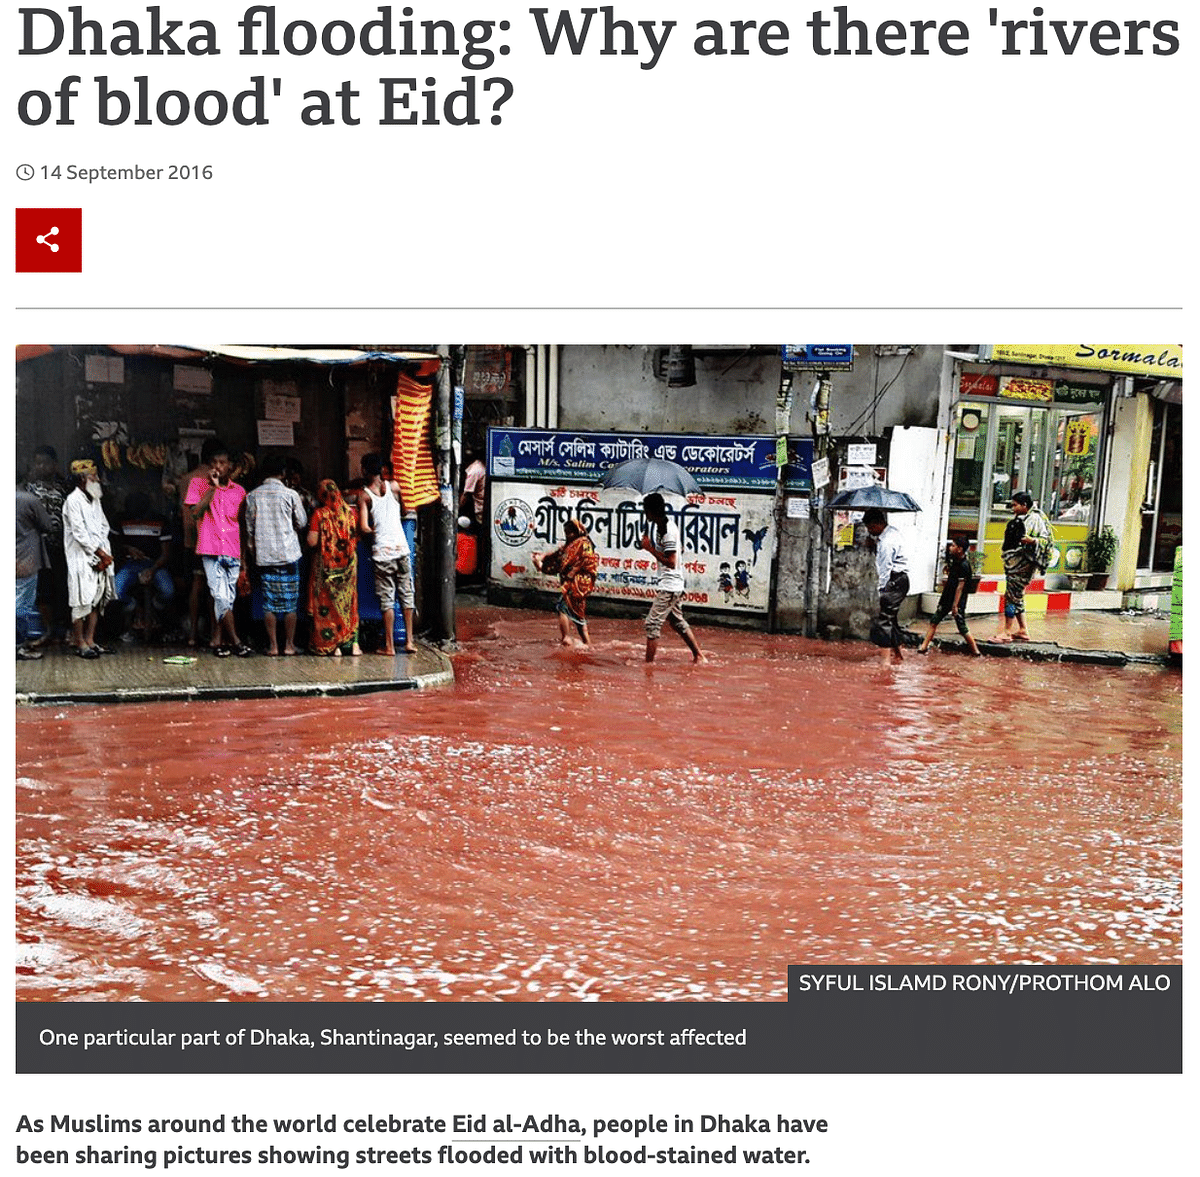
x: 725, y: 582
x: 756, y: 538
x: 741, y: 577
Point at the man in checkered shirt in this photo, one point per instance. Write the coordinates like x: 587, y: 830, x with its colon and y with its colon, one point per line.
x: 275, y: 517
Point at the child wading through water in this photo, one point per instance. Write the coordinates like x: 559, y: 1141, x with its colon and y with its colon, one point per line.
x: 960, y: 583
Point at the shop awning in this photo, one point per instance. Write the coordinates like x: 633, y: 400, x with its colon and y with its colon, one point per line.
x: 1170, y: 391
x: 252, y: 355
x: 323, y: 355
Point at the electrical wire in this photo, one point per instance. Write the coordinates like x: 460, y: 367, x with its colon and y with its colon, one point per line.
x: 854, y: 426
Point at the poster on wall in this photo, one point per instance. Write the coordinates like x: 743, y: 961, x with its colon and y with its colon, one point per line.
x: 488, y: 373
x: 727, y: 538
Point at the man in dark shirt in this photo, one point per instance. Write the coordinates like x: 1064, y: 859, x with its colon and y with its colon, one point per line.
x: 144, y: 544
x: 44, y: 481
x: 33, y: 526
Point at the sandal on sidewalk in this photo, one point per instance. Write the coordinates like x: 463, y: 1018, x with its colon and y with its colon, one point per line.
x: 243, y: 651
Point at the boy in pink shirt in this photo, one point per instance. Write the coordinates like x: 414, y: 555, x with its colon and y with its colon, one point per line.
x: 216, y: 506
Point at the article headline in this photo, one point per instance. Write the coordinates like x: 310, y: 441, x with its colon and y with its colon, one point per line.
x: 477, y: 45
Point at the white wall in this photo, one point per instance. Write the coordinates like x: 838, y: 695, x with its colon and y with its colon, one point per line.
x: 614, y: 387
x: 917, y: 467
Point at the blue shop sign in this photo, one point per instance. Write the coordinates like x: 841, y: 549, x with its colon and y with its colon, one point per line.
x: 797, y: 474
x: 817, y: 357
x: 727, y: 462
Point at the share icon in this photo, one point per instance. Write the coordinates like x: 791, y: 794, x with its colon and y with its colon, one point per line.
x: 49, y: 241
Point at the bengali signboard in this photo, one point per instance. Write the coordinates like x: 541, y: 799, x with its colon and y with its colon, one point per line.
x: 726, y: 462
x: 1078, y: 394
x: 973, y: 385
x: 488, y: 373
x: 1026, y: 388
x: 797, y: 474
x: 1164, y: 360
x: 728, y: 540
x: 978, y: 384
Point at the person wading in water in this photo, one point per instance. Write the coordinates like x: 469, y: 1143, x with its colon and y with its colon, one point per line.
x: 575, y: 564
x: 661, y: 540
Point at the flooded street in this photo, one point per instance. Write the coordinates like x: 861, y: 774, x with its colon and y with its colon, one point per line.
x: 565, y: 825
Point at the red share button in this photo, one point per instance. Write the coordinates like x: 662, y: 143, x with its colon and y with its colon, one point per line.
x: 49, y: 241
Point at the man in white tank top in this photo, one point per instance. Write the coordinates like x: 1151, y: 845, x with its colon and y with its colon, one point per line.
x: 379, y: 516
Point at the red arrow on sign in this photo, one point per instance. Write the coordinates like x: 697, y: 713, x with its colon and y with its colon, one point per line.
x: 512, y: 569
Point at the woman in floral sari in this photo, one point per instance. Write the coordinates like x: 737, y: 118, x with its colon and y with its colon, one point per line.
x: 575, y: 565
x: 333, y: 592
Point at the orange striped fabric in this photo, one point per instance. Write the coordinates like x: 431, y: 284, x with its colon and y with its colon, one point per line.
x: 412, y: 455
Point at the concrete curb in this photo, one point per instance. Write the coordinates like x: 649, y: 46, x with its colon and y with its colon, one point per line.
x: 297, y: 688
x: 1053, y: 652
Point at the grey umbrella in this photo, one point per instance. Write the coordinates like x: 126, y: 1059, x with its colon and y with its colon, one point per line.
x: 863, y: 498
x: 645, y: 475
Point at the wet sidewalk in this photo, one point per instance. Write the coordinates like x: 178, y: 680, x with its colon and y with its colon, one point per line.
x: 1090, y: 638
x: 142, y: 674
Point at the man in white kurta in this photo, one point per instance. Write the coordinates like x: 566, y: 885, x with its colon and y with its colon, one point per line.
x: 89, y: 559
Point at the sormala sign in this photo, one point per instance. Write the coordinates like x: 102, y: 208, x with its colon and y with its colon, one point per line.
x: 1133, y: 359
x: 727, y: 542
x: 545, y: 455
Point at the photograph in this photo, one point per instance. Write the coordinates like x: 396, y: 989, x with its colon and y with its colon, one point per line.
x: 591, y: 672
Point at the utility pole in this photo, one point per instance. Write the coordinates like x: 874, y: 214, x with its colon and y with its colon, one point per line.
x: 783, y: 419
x: 817, y: 546
x: 447, y: 529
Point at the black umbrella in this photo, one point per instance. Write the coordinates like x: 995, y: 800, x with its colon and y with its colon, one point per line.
x: 646, y: 475
x: 863, y: 498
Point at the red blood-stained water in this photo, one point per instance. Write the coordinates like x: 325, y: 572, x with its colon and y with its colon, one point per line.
x: 571, y: 826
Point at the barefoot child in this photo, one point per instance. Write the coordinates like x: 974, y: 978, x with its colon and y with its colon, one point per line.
x: 960, y: 579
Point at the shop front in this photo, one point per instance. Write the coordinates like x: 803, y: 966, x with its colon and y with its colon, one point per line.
x: 1043, y: 435
x: 1094, y: 433
x: 1160, y: 523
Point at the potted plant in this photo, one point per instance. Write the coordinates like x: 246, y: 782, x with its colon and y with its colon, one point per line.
x: 1073, y: 561
x: 1101, y: 548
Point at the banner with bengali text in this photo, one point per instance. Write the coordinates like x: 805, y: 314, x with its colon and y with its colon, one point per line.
x: 572, y: 456
x: 727, y: 539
